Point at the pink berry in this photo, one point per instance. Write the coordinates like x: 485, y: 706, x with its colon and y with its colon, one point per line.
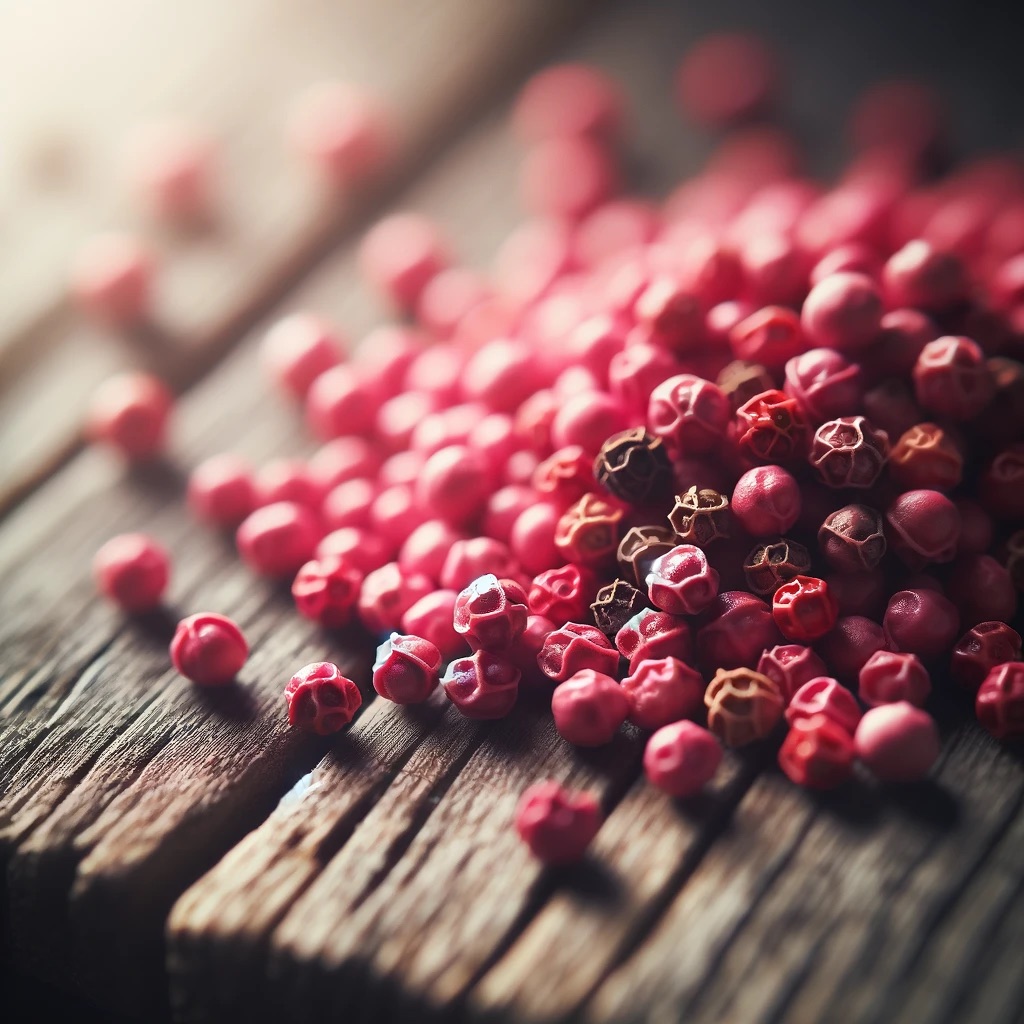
x: 923, y: 278
x: 681, y: 758
x: 209, y: 649
x: 980, y: 649
x: 556, y: 823
x: 951, y: 378
x: 288, y: 480
x: 343, y: 458
x: 130, y: 413
x: 277, y: 539
x: 825, y: 696
x: 897, y: 742
x: 568, y: 176
x: 890, y: 676
x: 483, y: 685
x: 132, y: 570
x: 363, y: 550
x: 737, y: 627
x: 221, y: 490
x: 567, y: 100
x: 999, y: 704
x: 804, y: 609
x: 589, y: 708
x: 326, y: 590
x: 454, y: 485
x: 431, y: 617
x: 426, y: 548
x: 171, y: 167
x: 112, y: 280
x: 400, y: 254
x: 690, y: 413
x: 297, y: 349
x: 843, y: 312
x: 682, y: 582
x: 654, y: 634
x: 766, y: 501
x: 407, y: 669
x: 825, y: 384
x: 852, y: 641
x: 817, y: 753
x: 340, y: 401
x: 469, y: 559
x: 923, y: 526
x: 661, y: 691
x: 387, y: 594
x: 320, y: 699
x: 789, y: 666
x: 491, y: 613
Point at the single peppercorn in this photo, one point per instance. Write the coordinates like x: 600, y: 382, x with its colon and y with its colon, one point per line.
x: 771, y: 427
x: 406, y: 670
x: 662, y: 690
x: 826, y: 696
x: 681, y: 758
x: 483, y: 685
x: 132, y: 570
x: 576, y: 646
x: 209, y: 649
x: 982, y: 590
x: 849, y: 452
x: 999, y: 703
x: 890, y: 676
x: 766, y: 501
x: 278, y: 539
x: 897, y: 742
x: 556, y: 823
x: 769, y: 566
x: 923, y: 622
x: 843, y: 312
x: 387, y: 594
x: 980, y: 649
x: 490, y: 613
x: 221, y: 490
x: 951, y: 378
x: 852, y: 539
x: 633, y: 466
x: 615, y: 604
x: 691, y: 414
x: 926, y: 457
x: 1001, y: 487
x: 700, y: 516
x: 923, y: 526
x: 588, y: 708
x: 817, y: 753
x: 682, y: 582
x: 326, y: 590
x: 130, y: 413
x: 639, y: 548
x: 804, y: 609
x: 770, y: 336
x: 789, y: 666
x: 431, y: 618
x: 653, y: 634
x: 564, y: 594
x: 743, y: 706
x: 740, y: 381
x: 588, y: 532
x: 321, y: 699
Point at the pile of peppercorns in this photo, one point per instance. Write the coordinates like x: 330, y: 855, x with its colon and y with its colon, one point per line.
x: 762, y: 444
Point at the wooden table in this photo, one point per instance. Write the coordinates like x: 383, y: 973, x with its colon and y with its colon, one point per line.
x: 164, y: 848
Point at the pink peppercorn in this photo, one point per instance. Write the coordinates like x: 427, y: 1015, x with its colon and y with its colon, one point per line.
x: 1000, y: 488
x: 277, y: 539
x: 616, y: 226
x: 766, y: 501
x: 923, y: 622
x: 636, y: 371
x: 855, y: 257
x: 399, y: 416
x: 923, y: 526
x: 668, y: 317
x: 112, y: 280
x: 789, y: 666
x: 771, y: 336
x: 976, y: 528
x: 395, y: 513
x: 843, y: 312
x: 407, y: 669
x: 890, y: 406
x: 221, y: 490
x: 402, y: 469
x: 653, y: 634
x: 363, y: 550
x: 925, y: 456
x: 804, y: 608
x: 681, y: 758
x: 564, y: 594
x: 588, y: 532
x: 573, y: 647
x: 399, y: 255
x: 469, y: 559
x: 527, y: 647
x: 132, y: 570
x: 982, y: 590
x: 902, y: 335
x: 297, y: 349
x: 341, y: 402
x: 848, y: 646
x: 890, y: 676
x: 951, y: 378
x: 426, y: 548
x: 288, y: 480
x: 504, y: 506
x: 320, y: 699
x: 587, y: 420
x: 326, y: 590
x: 483, y: 685
x: 682, y: 582
x: 491, y: 613
x: 343, y: 458
x: 661, y: 691
x: 501, y: 374
x: 825, y: 696
x: 431, y: 617
x: 556, y: 823
x: 565, y: 476
x: 980, y: 649
x: 736, y: 628
x: 817, y: 753
x: 342, y: 131
x: 999, y: 704
x: 589, y: 708
x: 448, y: 298
x: 770, y: 427
x: 849, y: 452
x: 921, y: 277
x: 387, y: 594
x: 533, y: 538
x: 454, y: 485
x: 897, y: 742
x: 170, y: 165
x: 568, y: 177
x: 825, y: 384
x: 690, y: 413
x: 130, y: 413
x: 209, y: 649
x: 567, y: 99
x: 349, y: 504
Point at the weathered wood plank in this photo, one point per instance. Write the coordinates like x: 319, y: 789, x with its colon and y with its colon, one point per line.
x: 826, y: 924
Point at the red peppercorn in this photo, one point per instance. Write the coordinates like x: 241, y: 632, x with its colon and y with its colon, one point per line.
x: 817, y: 753
x: 574, y: 647
x: 132, y: 570
x: 556, y: 823
x: 952, y: 379
x: 669, y: 317
x: 130, y: 412
x: 341, y: 459
x: 616, y: 226
x: 766, y: 501
x: 533, y: 540
x: 568, y: 99
x: 681, y: 759
x: 743, y: 706
x: 321, y: 699
x: 454, y: 485
x: 399, y: 255
x: 407, y: 669
x: 923, y: 278
x: 852, y: 538
x: 525, y: 650
x: 982, y: 590
x: 789, y: 666
x: 112, y: 280
x: 277, y: 539
x: 853, y: 640
x: 926, y: 457
x: 288, y: 480
x: 565, y: 476
x: 770, y: 565
x: 999, y: 704
x: 652, y: 634
x: 661, y: 691
x: 770, y: 337
x: 634, y: 374
x: 681, y: 582
x: 340, y: 401
x: 923, y: 622
x: 923, y: 526
x: 431, y: 617
x: 700, y: 516
x: 690, y: 413
x: 849, y: 257
x: 297, y: 349
x: 491, y: 613
x: 980, y: 649
x: 903, y: 333
x: 736, y: 628
x: 326, y: 590
x: 209, y: 649
x: 843, y: 312
x: 349, y: 504
x: 804, y: 608
x: 469, y: 559
x: 825, y: 384
x: 364, y: 551
x: 976, y: 528
x: 387, y: 594
x: 563, y: 595
x: 501, y: 374
x: 825, y: 696
x: 849, y: 452
x: 171, y: 169
x: 588, y: 532
x: 770, y: 427
x: 897, y: 742
x: 221, y: 490
x: 741, y: 381
x: 891, y: 407
x: 427, y: 547
x: 483, y: 685
x: 890, y: 676
x: 588, y: 708
x: 587, y: 419
x: 504, y: 507
x: 568, y: 176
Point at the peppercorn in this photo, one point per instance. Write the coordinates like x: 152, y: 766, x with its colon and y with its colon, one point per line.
x: 826, y: 696
x: 130, y: 413
x: 999, y: 703
x: 326, y: 590
x: 633, y: 466
x: 743, y: 706
x: 923, y: 622
x: 852, y: 538
x: 208, y: 649
x: 588, y: 708
x: 431, y: 618
x: 926, y: 457
x: 406, y: 669
x: 789, y: 666
x: 483, y: 685
x: 662, y: 690
x: 588, y: 532
x: 766, y: 501
x: 771, y: 427
x: 769, y: 566
x: 740, y: 381
x: 951, y: 378
x: 817, y: 753
x: 980, y: 649
x: 804, y: 608
x: 556, y: 823
x: 321, y: 699
x: 278, y: 539
x: 682, y: 582
x: 490, y: 613
x: 849, y: 452
x: 112, y: 280
x: 221, y: 490
x: 639, y: 548
x: 923, y: 526
x: 132, y: 570
x: 890, y: 676
x: 576, y: 646
x: 691, y: 414
x: 615, y: 604
x: 897, y: 742
x: 843, y: 312
x: 770, y: 336
x: 565, y: 475
x: 387, y: 594
x: 700, y: 516
x: 652, y: 634
x: 681, y: 758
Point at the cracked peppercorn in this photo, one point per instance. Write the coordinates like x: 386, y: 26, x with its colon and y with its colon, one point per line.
x: 700, y: 516
x: 633, y: 466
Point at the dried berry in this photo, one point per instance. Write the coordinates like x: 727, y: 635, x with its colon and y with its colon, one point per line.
x: 980, y: 649
x: 1000, y: 701
x: 771, y: 427
x: 321, y: 699
x: 852, y: 538
x: 633, y: 466
x: 576, y: 646
x: 588, y: 533
x: 615, y: 604
x: 769, y: 566
x: 743, y: 706
x: 925, y: 456
x: 589, y: 708
x: 681, y: 758
x: 638, y: 549
x: 849, y: 452
x: 407, y: 669
x: 490, y: 613
x: 556, y: 823
x: 484, y: 685
x: 682, y: 582
x: 209, y: 649
x: 804, y: 609
x: 700, y: 516
x: 816, y: 753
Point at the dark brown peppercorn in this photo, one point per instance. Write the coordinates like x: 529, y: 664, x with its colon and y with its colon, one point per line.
x: 770, y: 565
x: 639, y: 548
x: 926, y: 457
x: 740, y: 381
x: 615, y: 605
x: 700, y: 516
x: 849, y: 452
x: 633, y: 465
x: 852, y: 538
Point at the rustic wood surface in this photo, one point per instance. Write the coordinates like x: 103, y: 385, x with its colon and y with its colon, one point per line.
x: 165, y: 848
